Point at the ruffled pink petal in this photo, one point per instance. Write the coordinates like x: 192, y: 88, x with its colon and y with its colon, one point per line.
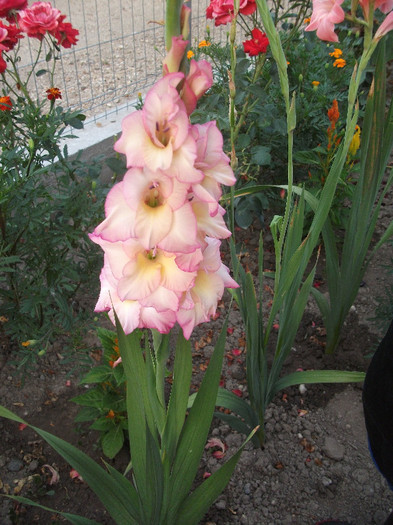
x: 132, y: 140
x: 115, y: 254
x: 385, y: 27
x: 212, y: 226
x: 172, y: 277
x: 152, y: 224
x: 142, y: 276
x: 120, y: 218
x: 183, y: 160
x: 162, y: 299
x: 127, y: 311
x: 171, y: 62
x: 182, y: 237
x: 189, y: 262
x: 161, y: 321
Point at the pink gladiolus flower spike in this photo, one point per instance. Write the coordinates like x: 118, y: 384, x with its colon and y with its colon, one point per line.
x: 326, y: 13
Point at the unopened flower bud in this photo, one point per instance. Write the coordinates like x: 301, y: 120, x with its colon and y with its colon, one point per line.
x: 302, y: 95
x: 31, y: 144
x: 93, y: 184
x: 300, y: 78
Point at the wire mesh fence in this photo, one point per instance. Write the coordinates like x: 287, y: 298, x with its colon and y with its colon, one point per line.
x: 119, y: 52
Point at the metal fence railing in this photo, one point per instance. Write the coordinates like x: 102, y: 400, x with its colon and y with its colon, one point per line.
x: 119, y: 52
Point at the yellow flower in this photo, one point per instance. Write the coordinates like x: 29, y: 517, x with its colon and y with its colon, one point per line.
x: 315, y: 82
x: 190, y: 54
x: 336, y: 53
x: 26, y: 343
x: 355, y: 142
x: 307, y: 20
x: 339, y: 62
x: 203, y: 43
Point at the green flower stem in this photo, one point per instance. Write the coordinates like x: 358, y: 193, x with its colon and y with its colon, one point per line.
x: 279, y: 57
x: 172, y: 21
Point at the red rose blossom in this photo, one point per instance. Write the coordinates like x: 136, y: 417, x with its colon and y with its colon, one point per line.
x: 39, y: 19
x: 223, y: 11
x: 6, y: 6
x: 12, y: 37
x: 257, y: 45
x: 65, y: 34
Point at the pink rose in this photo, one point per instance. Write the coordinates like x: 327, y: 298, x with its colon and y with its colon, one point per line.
x: 325, y: 14
x: 6, y: 6
x: 39, y: 19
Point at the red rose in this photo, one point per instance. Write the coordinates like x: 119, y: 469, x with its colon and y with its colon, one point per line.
x: 223, y: 11
x: 6, y: 6
x: 39, y: 19
x: 257, y: 45
x: 65, y: 34
x: 12, y: 37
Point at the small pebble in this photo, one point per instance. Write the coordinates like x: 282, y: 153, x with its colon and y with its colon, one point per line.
x: 221, y: 504
x: 15, y: 465
x: 333, y: 449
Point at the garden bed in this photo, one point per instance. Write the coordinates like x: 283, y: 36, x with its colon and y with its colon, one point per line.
x: 315, y: 463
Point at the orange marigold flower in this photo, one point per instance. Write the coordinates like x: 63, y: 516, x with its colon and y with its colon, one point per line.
x: 5, y: 103
x: 204, y: 43
x: 53, y: 93
x: 307, y: 20
x: 315, y: 82
x: 190, y: 54
x: 339, y: 62
x: 110, y: 414
x: 26, y: 343
x: 336, y: 53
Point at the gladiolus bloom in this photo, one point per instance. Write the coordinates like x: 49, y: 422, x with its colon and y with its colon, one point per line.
x: 197, y: 82
x: 326, y: 13
x: 385, y: 27
x: 257, y: 45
